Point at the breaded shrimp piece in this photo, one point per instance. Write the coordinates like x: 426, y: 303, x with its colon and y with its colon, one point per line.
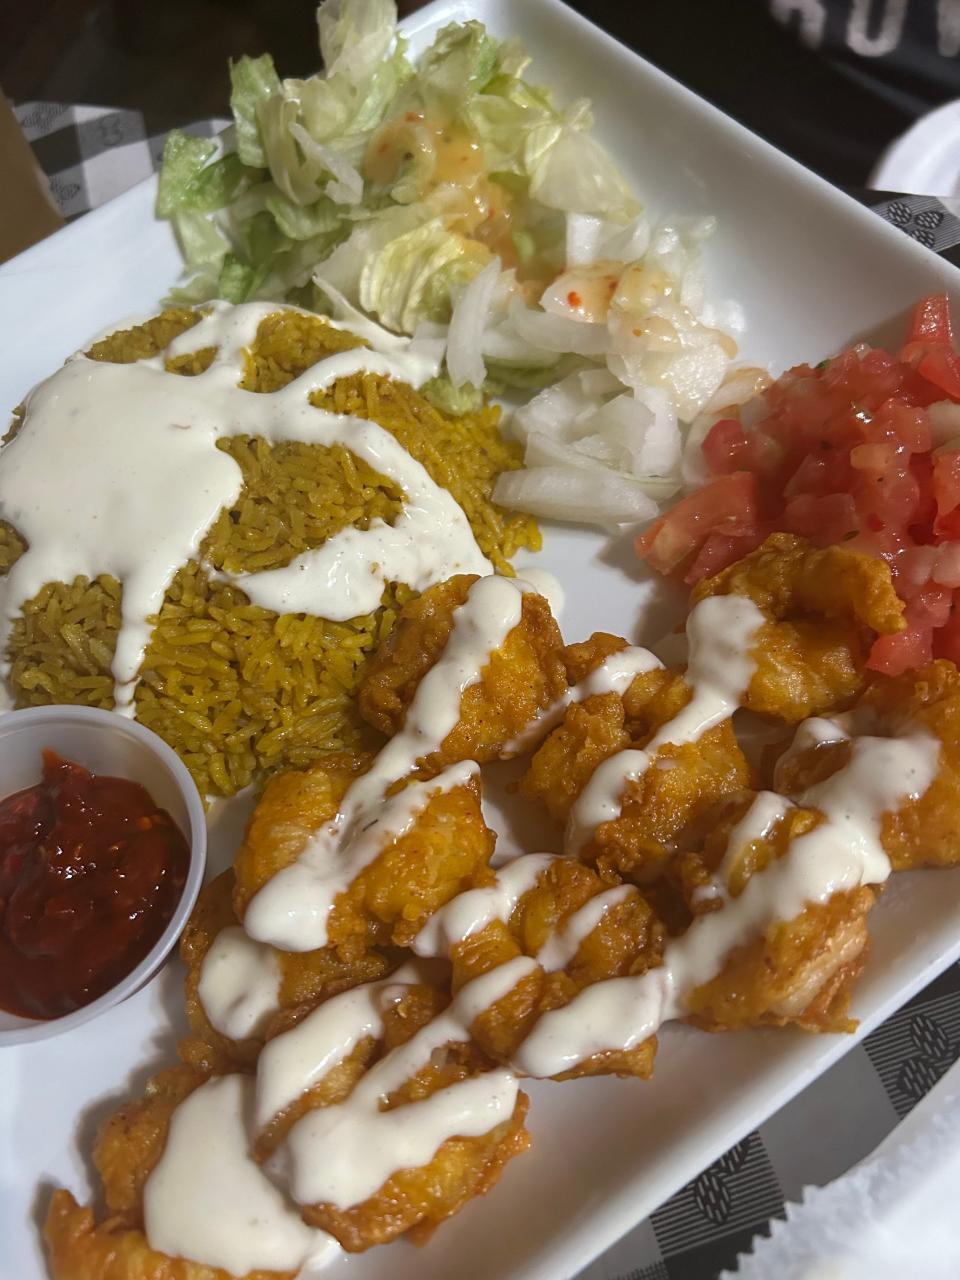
x: 128, y: 1148
x: 797, y: 972
x: 917, y: 832
x: 131, y: 1140
x: 524, y: 676
x: 306, y: 977
x: 575, y: 945
x: 445, y: 851
x: 78, y: 1248
x: 825, y: 606
x: 409, y: 1201
x: 663, y: 809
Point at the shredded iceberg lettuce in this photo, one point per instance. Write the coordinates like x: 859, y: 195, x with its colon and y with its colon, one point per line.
x: 459, y: 140
x: 452, y: 197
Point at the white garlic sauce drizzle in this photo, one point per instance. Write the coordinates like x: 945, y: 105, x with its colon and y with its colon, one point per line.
x: 840, y: 854
x: 291, y: 909
x: 471, y: 911
x: 759, y: 821
x: 720, y: 630
x: 342, y: 1154
x: 294, y: 1061
x: 563, y: 943
x: 239, y: 985
x: 207, y: 1200
x: 115, y: 471
x: 614, y: 675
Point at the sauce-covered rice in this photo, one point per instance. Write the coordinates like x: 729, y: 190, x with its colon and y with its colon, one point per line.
x: 235, y: 688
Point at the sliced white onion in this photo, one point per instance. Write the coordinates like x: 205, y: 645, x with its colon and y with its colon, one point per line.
x: 546, y: 451
x: 627, y: 243
x: 347, y: 184
x: 583, y: 293
x: 502, y: 343
x: 584, y: 495
x: 584, y: 234
x: 693, y: 465
x: 467, y: 324
x: 558, y: 333
x: 559, y: 410
x: 741, y: 384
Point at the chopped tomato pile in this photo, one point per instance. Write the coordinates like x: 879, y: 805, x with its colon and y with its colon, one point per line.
x: 863, y: 450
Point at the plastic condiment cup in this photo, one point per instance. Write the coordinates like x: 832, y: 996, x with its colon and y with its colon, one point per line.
x: 104, y: 743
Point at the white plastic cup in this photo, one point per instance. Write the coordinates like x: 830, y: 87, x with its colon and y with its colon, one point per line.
x: 104, y: 743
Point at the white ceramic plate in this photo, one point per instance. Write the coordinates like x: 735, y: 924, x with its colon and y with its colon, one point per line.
x: 814, y: 271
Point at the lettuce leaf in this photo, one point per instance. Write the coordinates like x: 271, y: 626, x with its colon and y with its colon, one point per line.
x: 189, y: 181
x: 411, y: 277
x: 292, y: 196
x: 456, y: 401
x: 252, y: 81
x: 459, y: 63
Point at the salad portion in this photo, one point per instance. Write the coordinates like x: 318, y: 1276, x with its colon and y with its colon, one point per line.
x: 451, y: 197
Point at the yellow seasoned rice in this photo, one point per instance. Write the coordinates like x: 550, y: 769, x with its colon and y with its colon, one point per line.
x: 238, y: 690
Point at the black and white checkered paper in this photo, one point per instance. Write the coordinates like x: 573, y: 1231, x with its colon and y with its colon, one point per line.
x: 90, y: 155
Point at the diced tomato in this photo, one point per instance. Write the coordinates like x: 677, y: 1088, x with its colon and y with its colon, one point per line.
x: 728, y: 448
x: 930, y: 326
x: 884, y: 488
x: 946, y: 641
x: 942, y: 368
x: 892, y: 655
x: 720, y: 551
x: 832, y: 518
x: 842, y: 454
x: 946, y: 492
x: 724, y: 447
x: 921, y: 527
x: 727, y: 506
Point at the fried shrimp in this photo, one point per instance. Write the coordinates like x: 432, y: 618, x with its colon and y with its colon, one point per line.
x: 919, y: 826
x: 578, y: 928
x: 387, y: 1111
x: 521, y: 677
x: 149, y: 1148
x: 127, y: 1150
x: 795, y: 971
x: 79, y: 1248
x: 443, y: 851
x: 824, y: 607
x: 662, y: 808
x: 302, y: 978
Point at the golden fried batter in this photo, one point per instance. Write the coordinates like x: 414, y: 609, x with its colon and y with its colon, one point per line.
x: 416, y: 1201
x: 665, y: 807
x: 800, y: 971
x: 131, y: 1141
x: 414, y: 1008
x: 628, y: 939
x: 127, y: 1149
x: 521, y: 678
x: 445, y: 852
x: 79, y: 1249
x: 413, y: 1200
x: 306, y: 978
x: 825, y: 607
x: 922, y: 832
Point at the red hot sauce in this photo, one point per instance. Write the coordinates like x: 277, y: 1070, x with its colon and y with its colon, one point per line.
x: 90, y: 873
